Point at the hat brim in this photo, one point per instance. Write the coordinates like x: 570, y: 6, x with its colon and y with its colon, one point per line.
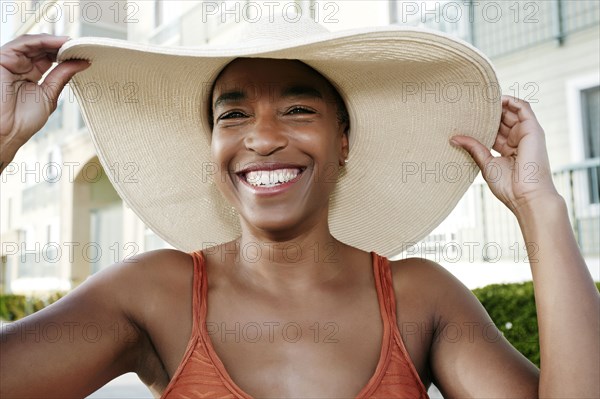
x: 407, y: 92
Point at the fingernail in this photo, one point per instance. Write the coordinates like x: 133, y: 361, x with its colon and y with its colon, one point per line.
x: 454, y: 143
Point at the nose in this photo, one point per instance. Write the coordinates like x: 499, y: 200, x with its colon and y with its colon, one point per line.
x: 266, y: 136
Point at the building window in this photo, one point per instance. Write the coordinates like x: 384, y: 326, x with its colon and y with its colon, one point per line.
x: 80, y: 121
x: 158, y: 13
x: 152, y: 241
x: 499, y: 27
x: 29, y: 238
x: 312, y: 7
x: 167, y: 12
x: 9, y: 214
x: 590, y: 106
x: 52, y: 169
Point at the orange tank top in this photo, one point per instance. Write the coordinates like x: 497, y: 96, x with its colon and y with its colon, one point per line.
x: 201, y: 373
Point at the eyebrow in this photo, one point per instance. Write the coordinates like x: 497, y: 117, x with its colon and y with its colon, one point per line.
x: 290, y: 91
x: 229, y: 97
x: 301, y: 91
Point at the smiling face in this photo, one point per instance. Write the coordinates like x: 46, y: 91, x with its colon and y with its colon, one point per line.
x: 278, y: 142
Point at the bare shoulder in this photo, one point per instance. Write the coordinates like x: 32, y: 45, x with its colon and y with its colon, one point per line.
x: 424, y: 292
x: 410, y: 271
x: 427, y: 281
x: 126, y: 286
x: 436, y: 293
x: 153, y: 292
x: 146, y: 268
x: 162, y: 262
x: 419, y: 286
x: 140, y: 278
x: 103, y: 328
x: 464, y: 353
x: 158, y: 268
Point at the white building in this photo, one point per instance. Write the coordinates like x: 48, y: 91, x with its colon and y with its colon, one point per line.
x: 61, y: 220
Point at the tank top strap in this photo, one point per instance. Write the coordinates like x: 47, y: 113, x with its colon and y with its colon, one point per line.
x: 388, y: 297
x: 198, y: 259
x: 198, y: 287
x: 387, y: 294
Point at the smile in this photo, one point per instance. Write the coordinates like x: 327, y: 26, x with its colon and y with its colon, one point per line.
x: 271, y: 178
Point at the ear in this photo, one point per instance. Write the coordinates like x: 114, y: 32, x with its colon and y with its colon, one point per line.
x: 345, y: 147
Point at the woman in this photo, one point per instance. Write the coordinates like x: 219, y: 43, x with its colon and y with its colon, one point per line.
x: 236, y: 321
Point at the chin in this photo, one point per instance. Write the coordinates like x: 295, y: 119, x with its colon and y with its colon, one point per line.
x: 276, y: 223
x: 283, y: 225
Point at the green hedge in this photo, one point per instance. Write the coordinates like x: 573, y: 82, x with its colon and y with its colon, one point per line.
x: 14, y: 307
x: 512, y: 308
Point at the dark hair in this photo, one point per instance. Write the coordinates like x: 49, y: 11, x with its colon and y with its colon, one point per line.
x: 342, y: 111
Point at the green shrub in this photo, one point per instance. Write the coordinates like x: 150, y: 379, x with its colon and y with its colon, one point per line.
x: 14, y: 307
x: 512, y: 308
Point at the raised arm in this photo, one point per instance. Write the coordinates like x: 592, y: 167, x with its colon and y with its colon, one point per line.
x: 87, y: 338
x: 567, y: 301
x: 75, y: 345
x: 27, y: 104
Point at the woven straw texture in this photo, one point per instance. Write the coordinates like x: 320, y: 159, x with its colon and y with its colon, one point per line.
x: 407, y: 92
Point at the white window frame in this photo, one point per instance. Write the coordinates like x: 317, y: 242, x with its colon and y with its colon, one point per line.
x: 576, y: 134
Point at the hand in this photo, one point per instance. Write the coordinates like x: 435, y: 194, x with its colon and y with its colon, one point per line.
x: 522, y: 173
x: 26, y: 105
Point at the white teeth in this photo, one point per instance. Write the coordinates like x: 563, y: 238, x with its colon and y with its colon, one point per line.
x: 270, y: 178
x: 264, y: 179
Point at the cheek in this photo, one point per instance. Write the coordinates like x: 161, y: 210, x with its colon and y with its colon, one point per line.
x: 215, y: 152
x: 221, y: 155
x: 221, y: 149
x: 328, y: 165
x: 334, y: 146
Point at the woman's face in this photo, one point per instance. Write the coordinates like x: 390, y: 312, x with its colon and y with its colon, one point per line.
x: 277, y: 142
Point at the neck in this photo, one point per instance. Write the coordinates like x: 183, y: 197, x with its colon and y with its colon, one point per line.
x: 289, y: 262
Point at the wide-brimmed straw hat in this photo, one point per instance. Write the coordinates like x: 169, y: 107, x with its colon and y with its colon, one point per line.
x: 407, y: 92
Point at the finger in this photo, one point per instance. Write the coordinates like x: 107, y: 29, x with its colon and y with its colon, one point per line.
x: 504, y: 101
x: 24, y: 68
x: 17, y: 56
x: 509, y: 116
x: 27, y: 43
x: 501, y: 145
x: 480, y: 153
x: 57, y: 79
x: 42, y: 63
x: 503, y: 130
x: 521, y: 108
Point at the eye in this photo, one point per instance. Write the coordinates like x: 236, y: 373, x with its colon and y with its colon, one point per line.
x: 232, y: 115
x: 299, y: 110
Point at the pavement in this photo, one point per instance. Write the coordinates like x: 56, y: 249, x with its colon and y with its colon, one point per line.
x: 127, y: 386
